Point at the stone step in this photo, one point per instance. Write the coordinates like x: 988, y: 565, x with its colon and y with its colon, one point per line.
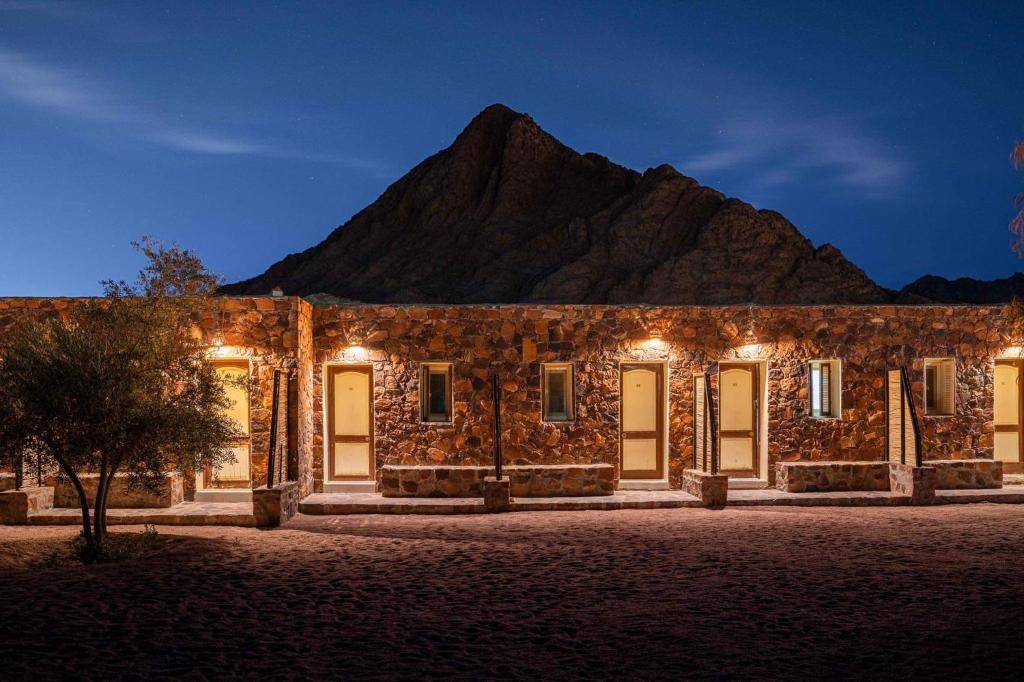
x: 224, y: 495
x: 355, y: 503
x: 747, y: 483
x: 350, y: 486
x: 643, y: 485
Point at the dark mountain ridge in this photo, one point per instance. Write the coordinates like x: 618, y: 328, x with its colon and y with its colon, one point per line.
x: 508, y: 214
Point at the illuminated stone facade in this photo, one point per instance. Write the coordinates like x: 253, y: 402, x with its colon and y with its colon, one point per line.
x: 479, y: 340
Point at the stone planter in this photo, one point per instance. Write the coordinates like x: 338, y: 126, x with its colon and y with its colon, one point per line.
x: 496, y: 494
x: 917, y: 483
x: 711, y: 489
x: 273, y: 506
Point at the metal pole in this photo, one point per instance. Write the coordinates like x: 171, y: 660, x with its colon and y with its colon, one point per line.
x: 497, y: 428
x: 273, y: 429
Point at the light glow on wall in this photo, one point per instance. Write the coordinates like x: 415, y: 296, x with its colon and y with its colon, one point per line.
x: 355, y: 354
x: 219, y: 350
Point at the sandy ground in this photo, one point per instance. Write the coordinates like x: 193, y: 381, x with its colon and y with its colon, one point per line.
x: 769, y: 593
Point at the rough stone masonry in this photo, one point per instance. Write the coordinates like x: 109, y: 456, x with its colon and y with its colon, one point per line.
x: 289, y: 333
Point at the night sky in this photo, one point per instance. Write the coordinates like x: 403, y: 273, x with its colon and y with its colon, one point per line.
x: 248, y: 134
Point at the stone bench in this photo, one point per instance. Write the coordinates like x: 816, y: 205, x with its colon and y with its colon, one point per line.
x: 821, y: 477
x: 120, y: 495
x: 17, y: 505
x: 967, y: 474
x: 526, y: 480
x: 6, y: 481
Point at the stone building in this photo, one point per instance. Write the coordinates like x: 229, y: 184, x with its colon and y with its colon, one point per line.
x: 370, y: 386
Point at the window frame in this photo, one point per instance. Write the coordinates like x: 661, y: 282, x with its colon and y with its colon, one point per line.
x: 569, y: 392
x: 835, y: 388
x: 937, y: 363
x: 428, y: 369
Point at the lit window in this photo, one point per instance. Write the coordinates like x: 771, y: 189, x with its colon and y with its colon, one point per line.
x: 557, y: 392
x: 825, y: 388
x: 436, y: 392
x: 939, y: 386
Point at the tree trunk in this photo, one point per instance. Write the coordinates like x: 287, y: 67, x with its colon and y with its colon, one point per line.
x: 100, y: 506
x: 87, y: 534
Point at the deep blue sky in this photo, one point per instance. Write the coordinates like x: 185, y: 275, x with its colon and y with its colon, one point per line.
x: 247, y: 134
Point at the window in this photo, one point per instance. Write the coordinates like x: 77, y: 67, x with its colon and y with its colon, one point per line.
x: 825, y: 389
x: 436, y: 392
x: 939, y: 386
x: 556, y: 387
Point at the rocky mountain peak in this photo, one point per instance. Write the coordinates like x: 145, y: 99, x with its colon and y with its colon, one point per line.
x: 508, y: 214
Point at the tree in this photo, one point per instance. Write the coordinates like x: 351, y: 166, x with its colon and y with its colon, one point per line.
x: 119, y: 384
x: 1017, y: 224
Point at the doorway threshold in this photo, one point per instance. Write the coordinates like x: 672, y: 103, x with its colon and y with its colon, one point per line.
x: 637, y: 484
x: 747, y: 483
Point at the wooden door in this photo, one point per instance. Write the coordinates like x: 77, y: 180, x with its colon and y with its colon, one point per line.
x: 350, y: 423
x: 642, y: 447
x: 1007, y: 415
x: 738, y: 426
x: 236, y: 474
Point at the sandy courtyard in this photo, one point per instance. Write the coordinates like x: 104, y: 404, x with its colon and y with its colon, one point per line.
x: 790, y: 593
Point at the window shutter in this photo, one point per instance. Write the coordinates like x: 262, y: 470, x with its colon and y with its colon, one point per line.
x: 947, y: 385
x: 826, y: 390
x: 424, y: 392
x: 699, y: 423
x: 895, y: 403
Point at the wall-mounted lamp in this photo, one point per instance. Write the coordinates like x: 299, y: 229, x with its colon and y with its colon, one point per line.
x: 749, y: 337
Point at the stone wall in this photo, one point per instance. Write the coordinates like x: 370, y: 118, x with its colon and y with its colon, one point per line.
x: 305, y: 416
x: 515, y: 339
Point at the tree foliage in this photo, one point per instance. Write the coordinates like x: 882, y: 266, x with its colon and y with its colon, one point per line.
x: 119, y: 384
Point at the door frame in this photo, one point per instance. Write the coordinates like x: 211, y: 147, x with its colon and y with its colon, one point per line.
x: 329, y: 436
x: 208, y: 481
x: 1018, y: 466
x: 661, y: 472
x: 755, y: 407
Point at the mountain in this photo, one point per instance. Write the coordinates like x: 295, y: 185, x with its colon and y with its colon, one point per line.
x: 933, y: 289
x: 509, y: 214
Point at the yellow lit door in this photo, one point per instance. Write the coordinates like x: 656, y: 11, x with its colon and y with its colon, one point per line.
x: 234, y: 474
x: 351, y: 423
x: 1006, y: 414
x: 642, y: 440
x: 738, y: 452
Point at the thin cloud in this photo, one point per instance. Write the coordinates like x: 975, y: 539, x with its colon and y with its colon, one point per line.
x: 799, y: 150
x: 69, y: 93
